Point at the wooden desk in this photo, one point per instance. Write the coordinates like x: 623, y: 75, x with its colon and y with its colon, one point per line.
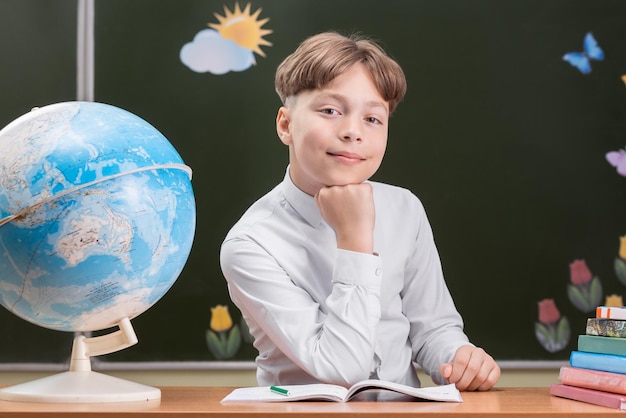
x: 205, y: 402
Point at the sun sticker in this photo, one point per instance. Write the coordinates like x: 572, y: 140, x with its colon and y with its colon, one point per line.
x: 229, y: 45
x: 243, y: 28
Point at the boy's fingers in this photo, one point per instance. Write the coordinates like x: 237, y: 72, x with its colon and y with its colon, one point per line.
x: 459, y: 364
x: 491, y: 380
x: 445, y: 370
x: 466, y: 372
x: 471, y: 369
x: 478, y: 372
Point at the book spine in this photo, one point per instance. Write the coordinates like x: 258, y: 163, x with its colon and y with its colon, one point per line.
x: 597, y: 361
x: 596, y: 397
x: 606, y: 327
x: 599, y: 344
x: 593, y: 379
x: 610, y: 312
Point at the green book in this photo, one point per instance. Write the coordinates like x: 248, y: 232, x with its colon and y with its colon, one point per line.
x: 603, y: 345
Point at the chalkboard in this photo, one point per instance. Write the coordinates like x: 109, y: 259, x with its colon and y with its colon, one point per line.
x: 503, y: 141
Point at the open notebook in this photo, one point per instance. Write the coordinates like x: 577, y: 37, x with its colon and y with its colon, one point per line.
x: 336, y: 393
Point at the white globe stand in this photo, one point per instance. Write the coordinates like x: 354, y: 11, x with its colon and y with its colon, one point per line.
x: 82, y: 385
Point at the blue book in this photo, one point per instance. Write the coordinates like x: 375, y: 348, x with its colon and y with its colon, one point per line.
x: 598, y: 361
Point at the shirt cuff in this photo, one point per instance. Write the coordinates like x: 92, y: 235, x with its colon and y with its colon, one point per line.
x: 360, y: 269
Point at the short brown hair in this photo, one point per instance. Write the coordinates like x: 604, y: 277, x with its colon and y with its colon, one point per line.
x: 321, y: 58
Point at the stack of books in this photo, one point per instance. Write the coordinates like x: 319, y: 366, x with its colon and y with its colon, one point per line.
x: 597, y: 371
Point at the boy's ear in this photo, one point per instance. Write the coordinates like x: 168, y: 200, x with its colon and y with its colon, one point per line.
x: 283, y: 125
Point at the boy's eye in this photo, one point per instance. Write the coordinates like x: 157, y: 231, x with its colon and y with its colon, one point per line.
x: 330, y: 111
x: 372, y: 119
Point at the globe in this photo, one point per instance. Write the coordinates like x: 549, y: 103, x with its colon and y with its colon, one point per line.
x: 97, y: 216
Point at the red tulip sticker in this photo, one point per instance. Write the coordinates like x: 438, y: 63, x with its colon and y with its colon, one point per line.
x: 552, y: 330
x: 584, y: 289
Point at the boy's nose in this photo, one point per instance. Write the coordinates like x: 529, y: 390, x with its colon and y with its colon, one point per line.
x: 352, y: 137
x: 351, y: 130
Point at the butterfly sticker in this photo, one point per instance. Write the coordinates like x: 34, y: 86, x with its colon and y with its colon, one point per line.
x: 582, y: 60
x: 618, y: 160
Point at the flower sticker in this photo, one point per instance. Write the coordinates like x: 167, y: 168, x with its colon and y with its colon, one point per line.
x: 552, y: 331
x: 223, y: 339
x: 584, y: 289
x: 220, y: 318
x: 614, y: 301
x: 620, y: 261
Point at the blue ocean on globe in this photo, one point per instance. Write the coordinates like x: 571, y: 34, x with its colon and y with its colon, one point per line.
x: 97, y: 216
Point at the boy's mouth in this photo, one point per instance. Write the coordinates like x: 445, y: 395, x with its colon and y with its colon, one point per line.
x: 348, y: 157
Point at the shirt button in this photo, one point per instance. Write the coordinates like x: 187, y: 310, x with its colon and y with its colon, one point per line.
x: 378, y: 271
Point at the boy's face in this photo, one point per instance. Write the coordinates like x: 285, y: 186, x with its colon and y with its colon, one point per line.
x: 337, y: 135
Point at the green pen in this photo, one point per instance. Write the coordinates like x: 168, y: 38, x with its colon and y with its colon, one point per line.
x: 280, y: 391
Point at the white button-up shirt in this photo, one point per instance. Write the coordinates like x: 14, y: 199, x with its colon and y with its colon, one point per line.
x: 323, y: 314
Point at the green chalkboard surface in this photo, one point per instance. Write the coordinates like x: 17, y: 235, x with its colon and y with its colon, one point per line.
x: 502, y: 139
x: 38, y: 55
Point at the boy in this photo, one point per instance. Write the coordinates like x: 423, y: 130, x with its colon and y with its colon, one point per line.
x: 338, y: 278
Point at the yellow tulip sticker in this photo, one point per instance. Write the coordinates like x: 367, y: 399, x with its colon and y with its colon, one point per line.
x: 622, y: 247
x: 223, y: 339
x: 614, y: 300
x: 220, y: 318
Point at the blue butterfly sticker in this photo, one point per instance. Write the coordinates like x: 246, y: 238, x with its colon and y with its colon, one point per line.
x: 582, y: 60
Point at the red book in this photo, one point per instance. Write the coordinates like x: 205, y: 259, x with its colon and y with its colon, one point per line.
x: 596, y: 397
x: 593, y: 379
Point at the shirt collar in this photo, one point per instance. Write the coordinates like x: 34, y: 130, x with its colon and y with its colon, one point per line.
x: 302, y: 202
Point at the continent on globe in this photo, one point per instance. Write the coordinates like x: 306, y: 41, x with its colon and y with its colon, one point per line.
x: 102, y: 232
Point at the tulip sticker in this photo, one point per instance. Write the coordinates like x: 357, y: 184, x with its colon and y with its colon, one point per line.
x: 614, y: 300
x: 223, y: 338
x: 620, y: 261
x: 584, y: 289
x: 552, y: 331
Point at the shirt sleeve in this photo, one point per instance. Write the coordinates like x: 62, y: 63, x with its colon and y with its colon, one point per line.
x: 436, y: 327
x: 334, y: 343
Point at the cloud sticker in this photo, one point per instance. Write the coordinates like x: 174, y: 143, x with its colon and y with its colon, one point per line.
x: 229, y: 45
x: 210, y: 52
